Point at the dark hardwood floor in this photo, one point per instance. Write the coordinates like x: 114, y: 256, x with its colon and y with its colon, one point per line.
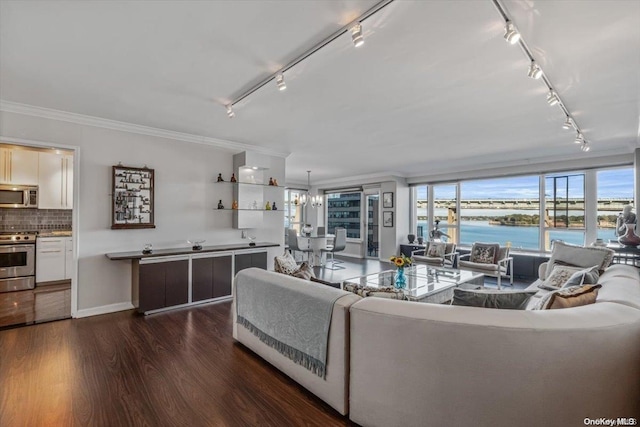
x: 180, y: 368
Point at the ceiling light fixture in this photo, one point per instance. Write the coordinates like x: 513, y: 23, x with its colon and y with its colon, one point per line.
x: 354, y: 27
x: 510, y: 33
x: 280, y: 82
x: 535, y: 72
x: 230, y: 112
x: 568, y: 124
x: 356, y: 35
x: 585, y: 146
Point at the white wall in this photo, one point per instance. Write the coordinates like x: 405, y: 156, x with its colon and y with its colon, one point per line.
x: 185, y: 198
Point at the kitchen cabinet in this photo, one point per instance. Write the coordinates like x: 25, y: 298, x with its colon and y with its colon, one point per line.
x: 163, y: 282
x: 211, y: 276
x: 18, y: 166
x: 54, y: 259
x: 55, y: 181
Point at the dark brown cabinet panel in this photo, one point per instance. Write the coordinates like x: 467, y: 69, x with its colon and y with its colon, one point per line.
x: 177, y: 282
x: 163, y: 284
x: 210, y: 277
x: 152, y: 287
x: 202, y: 278
x: 221, y: 276
x: 257, y: 259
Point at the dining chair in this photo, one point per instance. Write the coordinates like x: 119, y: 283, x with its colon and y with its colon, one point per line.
x: 339, y: 244
x: 294, y: 246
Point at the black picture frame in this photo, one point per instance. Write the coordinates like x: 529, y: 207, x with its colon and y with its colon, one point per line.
x: 387, y: 200
x: 387, y: 219
x: 132, y: 204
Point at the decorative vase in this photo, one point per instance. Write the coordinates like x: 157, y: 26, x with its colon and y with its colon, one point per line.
x: 629, y: 238
x: 400, y: 280
x: 411, y: 237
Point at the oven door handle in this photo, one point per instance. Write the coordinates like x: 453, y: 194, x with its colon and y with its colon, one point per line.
x: 12, y: 248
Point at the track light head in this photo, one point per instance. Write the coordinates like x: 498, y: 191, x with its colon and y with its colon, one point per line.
x: 535, y: 72
x: 579, y: 138
x: 280, y: 82
x: 568, y: 124
x: 230, y: 111
x: 552, y: 98
x: 356, y: 35
x: 585, y: 146
x: 511, y: 34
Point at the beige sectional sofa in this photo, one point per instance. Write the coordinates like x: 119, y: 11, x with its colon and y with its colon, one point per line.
x: 399, y: 363
x: 334, y: 388
x: 424, y: 364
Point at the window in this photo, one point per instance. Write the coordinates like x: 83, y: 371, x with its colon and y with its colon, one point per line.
x: 564, y: 209
x: 615, y: 189
x: 293, y: 210
x: 445, y: 198
x: 422, y: 211
x: 504, y: 211
x: 343, y: 210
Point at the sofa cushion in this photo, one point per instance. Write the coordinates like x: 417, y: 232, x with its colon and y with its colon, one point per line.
x: 285, y: 263
x: 579, y: 256
x: 510, y: 300
x: 573, y: 296
x: 621, y: 285
x: 305, y: 271
x: 484, y: 253
x: 559, y: 276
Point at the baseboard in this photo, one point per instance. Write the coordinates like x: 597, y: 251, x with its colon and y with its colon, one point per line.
x: 103, y: 309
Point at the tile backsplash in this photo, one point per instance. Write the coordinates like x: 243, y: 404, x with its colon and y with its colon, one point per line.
x: 34, y: 219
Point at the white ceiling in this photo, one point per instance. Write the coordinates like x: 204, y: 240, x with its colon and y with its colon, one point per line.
x: 434, y: 88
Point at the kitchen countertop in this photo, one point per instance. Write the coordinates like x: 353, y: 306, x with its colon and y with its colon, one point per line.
x: 55, y: 233
x: 188, y: 250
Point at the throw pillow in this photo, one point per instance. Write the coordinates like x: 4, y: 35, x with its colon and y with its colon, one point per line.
x: 580, y: 256
x: 484, y: 253
x: 588, y: 276
x: 382, y: 292
x: 573, y: 296
x: 285, y: 263
x: 510, y: 300
x: 558, y: 277
x: 436, y: 249
x: 305, y: 271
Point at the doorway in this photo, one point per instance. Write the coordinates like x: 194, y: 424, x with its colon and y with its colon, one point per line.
x: 372, y: 223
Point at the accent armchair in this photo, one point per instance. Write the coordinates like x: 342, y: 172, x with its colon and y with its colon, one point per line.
x: 490, y: 259
x: 438, y: 254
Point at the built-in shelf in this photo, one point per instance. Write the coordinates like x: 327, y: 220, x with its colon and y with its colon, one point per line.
x: 249, y: 183
x: 255, y: 210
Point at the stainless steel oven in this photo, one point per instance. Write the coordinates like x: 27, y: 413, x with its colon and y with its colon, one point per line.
x: 18, y: 196
x: 17, y: 261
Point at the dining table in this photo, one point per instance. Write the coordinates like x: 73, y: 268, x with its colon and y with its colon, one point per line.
x: 316, y: 243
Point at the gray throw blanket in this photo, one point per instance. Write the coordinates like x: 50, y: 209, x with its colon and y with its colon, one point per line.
x: 287, y: 314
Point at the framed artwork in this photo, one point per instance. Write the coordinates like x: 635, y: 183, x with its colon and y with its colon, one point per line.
x: 387, y: 219
x: 132, y: 204
x: 387, y: 200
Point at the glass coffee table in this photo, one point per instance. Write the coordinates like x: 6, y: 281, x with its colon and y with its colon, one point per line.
x: 424, y: 283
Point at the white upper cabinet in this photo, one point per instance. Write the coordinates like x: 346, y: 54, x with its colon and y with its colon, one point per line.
x: 18, y: 166
x: 55, y: 181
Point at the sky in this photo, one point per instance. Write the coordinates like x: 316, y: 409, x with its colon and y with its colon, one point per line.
x: 612, y: 183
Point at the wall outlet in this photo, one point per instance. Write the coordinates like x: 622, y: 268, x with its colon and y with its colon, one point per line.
x: 244, y: 234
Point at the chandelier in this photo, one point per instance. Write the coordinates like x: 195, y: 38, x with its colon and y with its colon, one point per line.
x: 306, y: 198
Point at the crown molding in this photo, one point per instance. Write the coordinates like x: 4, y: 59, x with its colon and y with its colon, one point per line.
x: 81, y: 119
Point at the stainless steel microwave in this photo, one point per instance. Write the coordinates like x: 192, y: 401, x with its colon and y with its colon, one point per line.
x: 18, y: 196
